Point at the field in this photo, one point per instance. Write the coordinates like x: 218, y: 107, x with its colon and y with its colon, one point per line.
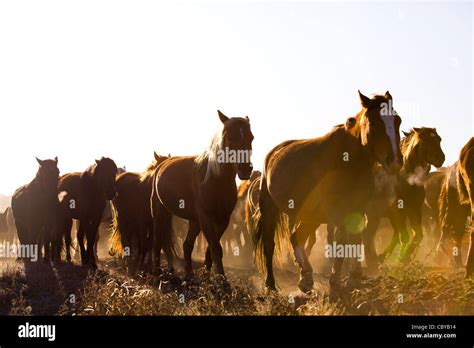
x: 37, y: 288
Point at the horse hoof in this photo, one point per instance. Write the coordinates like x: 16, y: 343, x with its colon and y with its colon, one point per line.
x: 306, y: 283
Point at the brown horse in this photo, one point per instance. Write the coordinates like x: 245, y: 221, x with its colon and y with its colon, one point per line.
x: 237, y: 229
x: 3, y: 224
x: 466, y: 191
x: 132, y: 223
x: 430, y: 211
x: 33, y: 207
x: 453, y: 214
x: 325, y: 180
x: 202, y: 189
x: 400, y: 197
x: 82, y: 197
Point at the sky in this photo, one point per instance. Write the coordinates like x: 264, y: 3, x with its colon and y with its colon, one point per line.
x: 85, y: 79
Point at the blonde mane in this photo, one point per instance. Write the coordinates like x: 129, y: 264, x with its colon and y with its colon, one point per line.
x: 208, y: 157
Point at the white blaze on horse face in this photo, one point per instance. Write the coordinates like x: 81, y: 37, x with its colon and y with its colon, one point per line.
x: 389, y: 122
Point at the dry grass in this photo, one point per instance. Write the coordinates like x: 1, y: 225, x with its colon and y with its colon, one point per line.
x: 42, y: 289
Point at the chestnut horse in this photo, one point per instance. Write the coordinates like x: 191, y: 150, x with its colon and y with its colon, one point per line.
x: 452, y: 217
x: 34, y: 204
x: 400, y: 197
x: 132, y: 224
x: 202, y: 189
x: 82, y: 196
x: 325, y: 180
x: 430, y: 211
x: 466, y: 191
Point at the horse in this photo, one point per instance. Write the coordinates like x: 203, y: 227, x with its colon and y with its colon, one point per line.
x: 82, y: 196
x: 452, y: 216
x: 465, y: 174
x: 202, y: 189
x: 430, y: 211
x: 132, y: 224
x: 3, y: 221
x: 237, y: 228
x: 325, y: 180
x: 33, y: 206
x: 400, y: 197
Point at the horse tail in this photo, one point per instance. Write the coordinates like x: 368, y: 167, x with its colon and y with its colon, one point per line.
x: 116, y: 248
x: 271, y: 239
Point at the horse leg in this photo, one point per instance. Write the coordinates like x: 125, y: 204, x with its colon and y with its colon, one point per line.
x: 92, y: 238
x: 399, y: 234
x: 162, y: 230
x: 373, y: 222
x: 67, y: 238
x: 213, y: 232
x: 208, y: 258
x: 80, y: 239
x: 415, y: 222
x: 334, y: 279
x: 298, y: 238
x: 22, y: 231
x: 355, y: 273
x: 48, y: 241
x: 188, y: 246
x: 310, y: 243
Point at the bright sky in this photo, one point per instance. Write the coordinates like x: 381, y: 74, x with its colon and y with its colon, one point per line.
x: 84, y: 79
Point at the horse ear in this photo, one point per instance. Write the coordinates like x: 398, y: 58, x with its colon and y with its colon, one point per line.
x: 56, y: 160
x: 97, y: 161
x: 247, y: 118
x: 417, y: 130
x: 40, y: 162
x: 365, y: 101
x: 222, y: 117
x: 406, y: 133
x: 156, y: 155
x: 388, y: 96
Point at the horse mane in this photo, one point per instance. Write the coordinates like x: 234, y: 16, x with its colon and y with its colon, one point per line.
x: 407, y: 143
x: 208, y: 157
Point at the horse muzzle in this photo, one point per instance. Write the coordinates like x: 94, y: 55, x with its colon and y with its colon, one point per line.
x: 244, y: 171
x: 438, y: 161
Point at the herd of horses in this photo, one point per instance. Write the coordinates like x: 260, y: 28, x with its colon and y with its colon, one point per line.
x: 350, y: 178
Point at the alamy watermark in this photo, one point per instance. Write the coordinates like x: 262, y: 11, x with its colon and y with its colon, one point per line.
x: 227, y: 155
x: 25, y: 251
x: 335, y: 250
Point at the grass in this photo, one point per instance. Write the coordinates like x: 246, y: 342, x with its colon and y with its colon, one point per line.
x: 68, y: 289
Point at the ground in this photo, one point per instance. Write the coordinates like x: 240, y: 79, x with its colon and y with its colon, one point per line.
x: 69, y: 289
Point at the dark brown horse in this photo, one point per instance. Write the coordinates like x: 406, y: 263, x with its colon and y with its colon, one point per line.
x: 325, y: 180
x: 33, y: 207
x: 400, y: 197
x: 202, y: 189
x: 82, y: 197
x: 466, y: 191
x: 132, y: 223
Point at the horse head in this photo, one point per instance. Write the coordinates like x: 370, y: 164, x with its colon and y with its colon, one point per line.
x: 426, y: 144
x: 380, y: 131
x: 48, y: 175
x: 104, y: 173
x: 237, y: 140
